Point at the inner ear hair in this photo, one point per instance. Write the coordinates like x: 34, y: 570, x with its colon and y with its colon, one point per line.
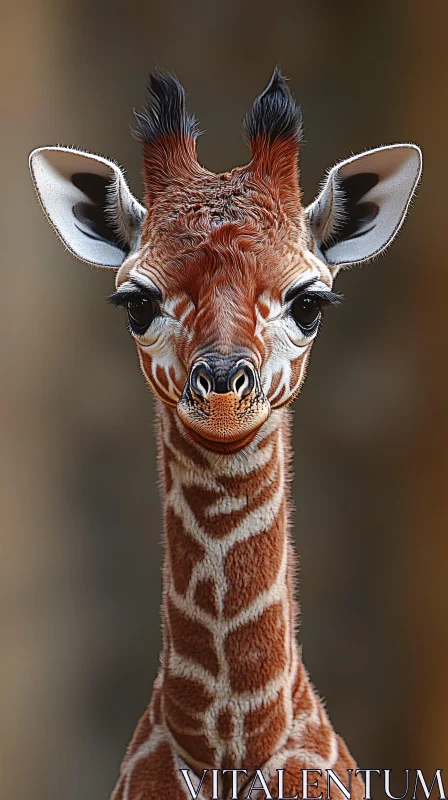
x: 331, y: 221
x: 121, y: 216
x: 93, y: 214
x: 348, y: 214
x: 111, y: 215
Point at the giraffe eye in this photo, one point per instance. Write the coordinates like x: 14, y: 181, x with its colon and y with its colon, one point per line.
x: 305, y: 310
x: 141, y: 312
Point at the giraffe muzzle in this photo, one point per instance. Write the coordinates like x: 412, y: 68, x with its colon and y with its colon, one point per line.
x: 223, y: 405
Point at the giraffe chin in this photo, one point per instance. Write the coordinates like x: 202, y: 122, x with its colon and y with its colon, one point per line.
x: 222, y: 446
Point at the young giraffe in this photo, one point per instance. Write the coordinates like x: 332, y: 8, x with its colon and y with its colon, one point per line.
x: 224, y: 278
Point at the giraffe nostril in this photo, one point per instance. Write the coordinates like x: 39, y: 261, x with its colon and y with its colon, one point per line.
x: 242, y: 379
x: 202, y: 381
x: 239, y: 382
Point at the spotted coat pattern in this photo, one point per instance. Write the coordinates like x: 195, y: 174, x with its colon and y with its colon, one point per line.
x: 232, y: 690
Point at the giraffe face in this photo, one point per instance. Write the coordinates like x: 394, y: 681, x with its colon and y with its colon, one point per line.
x: 224, y: 277
x: 224, y: 300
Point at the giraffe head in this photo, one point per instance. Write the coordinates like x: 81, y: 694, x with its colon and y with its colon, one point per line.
x: 224, y: 277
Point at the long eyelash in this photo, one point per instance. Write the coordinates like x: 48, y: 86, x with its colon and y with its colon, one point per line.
x: 122, y: 298
x: 327, y: 298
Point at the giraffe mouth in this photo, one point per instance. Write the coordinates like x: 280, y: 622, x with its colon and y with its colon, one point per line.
x: 224, y: 447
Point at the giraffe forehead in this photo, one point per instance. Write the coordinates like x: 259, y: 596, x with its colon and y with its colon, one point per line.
x: 229, y: 228
x: 228, y: 272
x: 218, y: 208
x: 226, y: 234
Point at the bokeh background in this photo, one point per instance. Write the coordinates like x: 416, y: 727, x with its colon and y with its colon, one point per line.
x: 80, y: 523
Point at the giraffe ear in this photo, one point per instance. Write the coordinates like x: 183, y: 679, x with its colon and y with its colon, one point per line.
x: 363, y: 203
x: 88, y: 202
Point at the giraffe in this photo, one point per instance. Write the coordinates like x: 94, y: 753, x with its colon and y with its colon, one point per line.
x: 224, y: 280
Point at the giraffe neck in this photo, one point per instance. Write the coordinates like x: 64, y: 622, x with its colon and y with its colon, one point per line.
x: 230, y: 666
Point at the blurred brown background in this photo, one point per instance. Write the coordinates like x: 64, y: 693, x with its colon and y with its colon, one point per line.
x: 80, y: 524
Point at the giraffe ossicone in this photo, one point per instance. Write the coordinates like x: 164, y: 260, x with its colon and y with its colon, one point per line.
x: 224, y: 279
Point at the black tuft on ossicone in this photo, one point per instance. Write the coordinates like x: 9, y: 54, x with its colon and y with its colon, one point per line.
x: 274, y: 113
x: 165, y: 112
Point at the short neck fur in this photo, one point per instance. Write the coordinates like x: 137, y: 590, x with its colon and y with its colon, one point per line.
x: 230, y: 664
